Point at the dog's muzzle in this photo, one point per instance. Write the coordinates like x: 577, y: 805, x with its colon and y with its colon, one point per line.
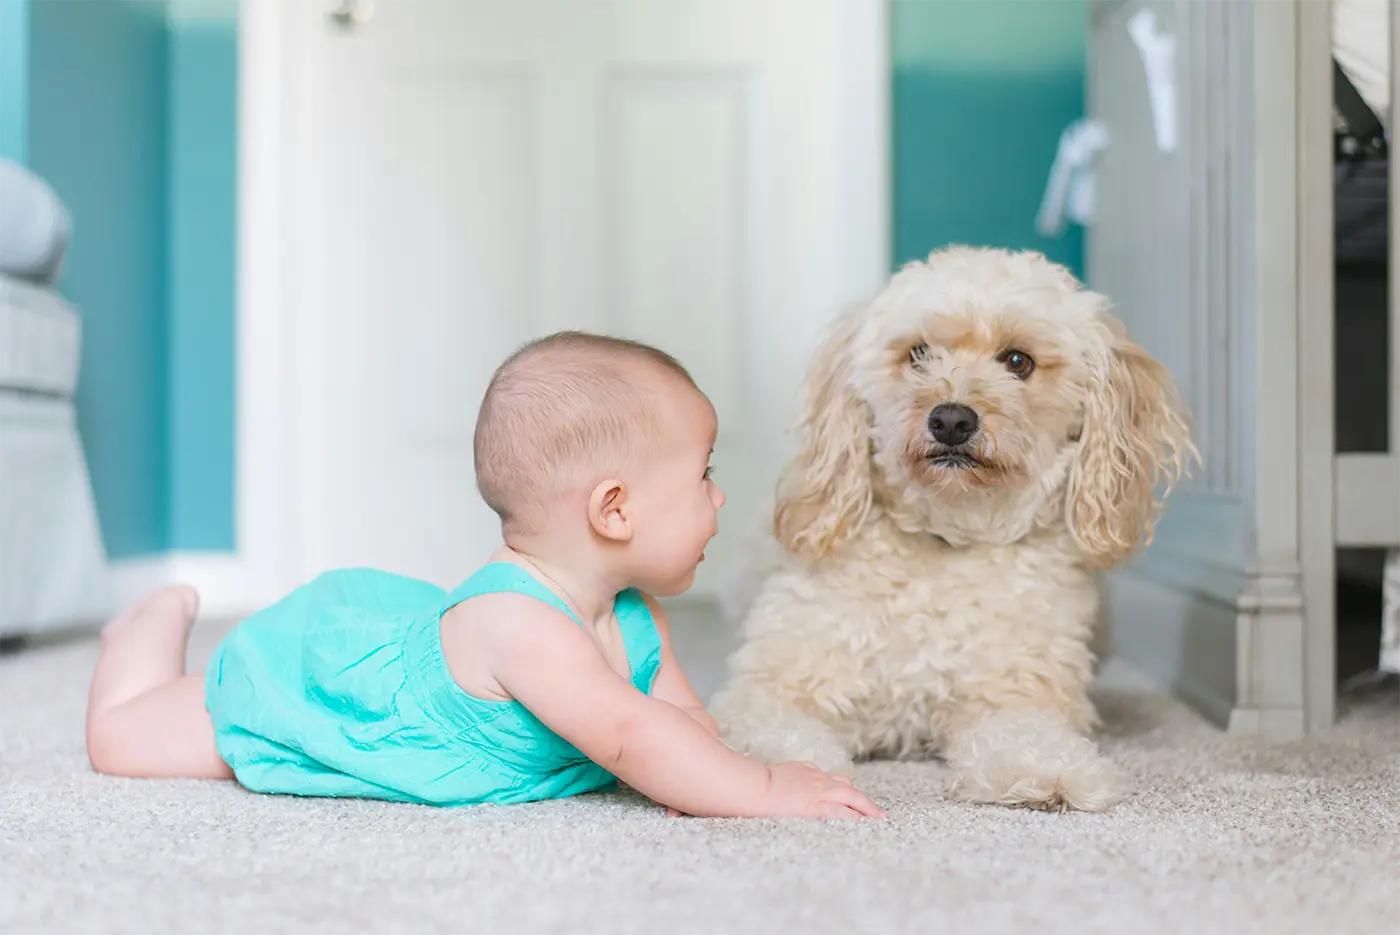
x: 952, y: 424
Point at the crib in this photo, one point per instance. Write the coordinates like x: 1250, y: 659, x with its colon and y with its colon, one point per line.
x: 1250, y: 251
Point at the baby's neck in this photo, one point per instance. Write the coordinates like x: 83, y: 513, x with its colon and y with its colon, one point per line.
x: 589, y: 592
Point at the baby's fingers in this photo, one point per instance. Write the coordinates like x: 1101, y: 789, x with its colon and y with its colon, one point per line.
x: 856, y: 800
x: 837, y: 810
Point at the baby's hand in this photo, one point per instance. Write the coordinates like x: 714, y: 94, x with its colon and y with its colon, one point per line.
x: 801, y: 790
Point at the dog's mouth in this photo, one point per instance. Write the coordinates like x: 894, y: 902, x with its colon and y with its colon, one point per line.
x: 956, y: 460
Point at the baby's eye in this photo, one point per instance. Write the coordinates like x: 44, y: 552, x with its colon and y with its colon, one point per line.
x: 709, y: 472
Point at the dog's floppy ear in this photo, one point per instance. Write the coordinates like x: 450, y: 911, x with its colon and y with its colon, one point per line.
x: 1136, y: 435
x: 825, y: 493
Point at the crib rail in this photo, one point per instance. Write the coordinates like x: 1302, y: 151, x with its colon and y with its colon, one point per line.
x: 1367, y: 501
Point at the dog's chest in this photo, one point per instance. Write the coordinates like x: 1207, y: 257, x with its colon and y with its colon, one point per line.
x: 931, y: 626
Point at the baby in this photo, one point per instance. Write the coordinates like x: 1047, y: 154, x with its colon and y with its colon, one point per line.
x: 548, y: 673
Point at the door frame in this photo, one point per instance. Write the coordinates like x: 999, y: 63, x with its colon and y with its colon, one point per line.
x: 272, y: 102
x: 265, y: 469
x: 1319, y: 468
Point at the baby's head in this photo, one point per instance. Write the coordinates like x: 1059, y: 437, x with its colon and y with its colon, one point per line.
x: 601, y: 444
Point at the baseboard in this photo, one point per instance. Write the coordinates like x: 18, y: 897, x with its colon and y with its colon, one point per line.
x: 133, y: 577
x: 227, y: 587
x: 230, y: 586
x: 1209, y: 703
x: 1284, y: 724
x: 1182, y: 638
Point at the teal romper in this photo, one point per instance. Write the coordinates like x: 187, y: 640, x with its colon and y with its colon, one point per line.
x: 340, y: 689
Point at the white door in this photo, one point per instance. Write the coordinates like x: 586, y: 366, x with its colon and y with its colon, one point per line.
x: 708, y: 176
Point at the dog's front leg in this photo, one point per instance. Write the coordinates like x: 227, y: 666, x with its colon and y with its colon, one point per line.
x: 754, y: 721
x: 1032, y: 755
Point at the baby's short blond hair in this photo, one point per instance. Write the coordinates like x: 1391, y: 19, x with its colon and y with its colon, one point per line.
x: 562, y: 411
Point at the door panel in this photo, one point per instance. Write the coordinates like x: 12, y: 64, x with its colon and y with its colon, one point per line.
x: 706, y: 176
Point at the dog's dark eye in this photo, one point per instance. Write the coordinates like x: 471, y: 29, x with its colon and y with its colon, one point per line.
x: 1018, y: 362
x: 918, y: 353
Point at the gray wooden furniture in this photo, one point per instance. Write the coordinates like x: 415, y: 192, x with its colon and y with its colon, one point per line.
x: 53, y: 570
x: 1220, y: 256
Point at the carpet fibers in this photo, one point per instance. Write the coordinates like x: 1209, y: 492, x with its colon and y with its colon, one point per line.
x: 1220, y: 835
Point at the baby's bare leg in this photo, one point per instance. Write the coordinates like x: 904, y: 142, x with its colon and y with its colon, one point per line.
x: 146, y: 717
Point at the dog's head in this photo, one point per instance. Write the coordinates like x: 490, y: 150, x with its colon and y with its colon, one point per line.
x: 983, y: 394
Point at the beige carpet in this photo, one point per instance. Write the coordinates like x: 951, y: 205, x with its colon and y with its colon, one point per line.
x: 1222, y: 836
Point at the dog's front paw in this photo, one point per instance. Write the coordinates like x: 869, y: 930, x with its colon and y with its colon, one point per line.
x: 758, y: 725
x: 1032, y: 759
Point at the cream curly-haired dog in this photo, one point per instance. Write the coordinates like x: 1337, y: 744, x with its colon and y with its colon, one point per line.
x: 977, y: 442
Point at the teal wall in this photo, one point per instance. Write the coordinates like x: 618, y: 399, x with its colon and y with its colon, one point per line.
x: 14, y: 79
x: 97, y: 134
x: 128, y: 109
x: 203, y: 186
x: 981, y: 91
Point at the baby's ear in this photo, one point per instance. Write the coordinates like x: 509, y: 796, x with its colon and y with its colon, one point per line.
x: 607, y: 511
x: 826, y: 492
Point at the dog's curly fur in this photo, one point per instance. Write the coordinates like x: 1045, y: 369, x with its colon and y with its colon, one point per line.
x: 922, y: 598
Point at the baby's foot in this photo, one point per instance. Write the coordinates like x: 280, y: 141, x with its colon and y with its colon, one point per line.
x: 176, y: 605
x: 143, y: 647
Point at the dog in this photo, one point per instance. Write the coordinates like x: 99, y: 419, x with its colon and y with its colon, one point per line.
x: 977, y: 443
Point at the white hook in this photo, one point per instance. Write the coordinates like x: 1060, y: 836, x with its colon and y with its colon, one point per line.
x: 1070, y: 188
x: 351, y: 13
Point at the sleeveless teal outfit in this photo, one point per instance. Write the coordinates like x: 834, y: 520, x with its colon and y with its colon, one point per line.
x: 340, y: 689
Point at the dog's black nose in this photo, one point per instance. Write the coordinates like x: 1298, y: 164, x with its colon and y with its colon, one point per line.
x: 952, y: 423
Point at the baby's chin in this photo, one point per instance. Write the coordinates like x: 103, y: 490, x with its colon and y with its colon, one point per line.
x: 676, y: 586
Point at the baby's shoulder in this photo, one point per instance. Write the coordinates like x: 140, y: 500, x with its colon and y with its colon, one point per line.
x: 495, y: 616
x: 499, y: 631
x: 491, y: 607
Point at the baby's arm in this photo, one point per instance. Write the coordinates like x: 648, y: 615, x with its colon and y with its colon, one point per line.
x: 547, y: 663
x: 671, y: 684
